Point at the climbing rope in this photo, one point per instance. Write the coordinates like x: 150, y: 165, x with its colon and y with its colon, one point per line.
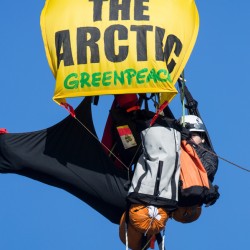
x: 230, y: 162
x: 125, y: 166
x: 213, y: 153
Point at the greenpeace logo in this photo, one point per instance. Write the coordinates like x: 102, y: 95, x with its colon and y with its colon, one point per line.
x: 115, y: 78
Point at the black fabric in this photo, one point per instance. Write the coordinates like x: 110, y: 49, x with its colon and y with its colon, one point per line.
x: 192, y: 106
x: 195, y: 195
x: 159, y: 239
x: 120, y: 117
x: 137, y: 121
x: 198, y: 195
x: 212, y: 195
x: 208, y: 159
x: 138, y: 198
x: 68, y: 157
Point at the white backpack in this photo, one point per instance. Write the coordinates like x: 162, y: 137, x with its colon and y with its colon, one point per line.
x: 156, y: 176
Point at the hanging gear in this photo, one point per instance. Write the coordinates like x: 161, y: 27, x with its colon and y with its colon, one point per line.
x: 153, y: 193
x: 156, y: 176
x: 193, y: 123
x: 133, y: 136
x: 136, y: 237
x: 193, y: 178
x: 191, y: 105
x: 195, y: 188
x: 120, y: 135
x: 131, y: 237
x: 187, y: 214
x: 147, y: 219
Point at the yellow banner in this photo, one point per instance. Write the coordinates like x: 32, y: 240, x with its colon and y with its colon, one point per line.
x: 103, y: 47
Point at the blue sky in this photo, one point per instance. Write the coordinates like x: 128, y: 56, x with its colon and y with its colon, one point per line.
x: 37, y: 216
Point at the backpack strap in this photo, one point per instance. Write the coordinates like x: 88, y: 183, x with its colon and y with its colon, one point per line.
x: 143, y: 98
x: 192, y: 105
x: 160, y: 240
x: 95, y: 100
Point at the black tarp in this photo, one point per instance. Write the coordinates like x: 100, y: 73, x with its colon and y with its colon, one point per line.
x: 67, y: 156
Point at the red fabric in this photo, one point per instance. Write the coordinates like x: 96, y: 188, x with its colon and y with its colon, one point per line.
x: 161, y: 108
x: 133, y: 108
x: 152, y: 242
x: 69, y: 108
x: 124, y: 131
x: 3, y: 131
x: 128, y: 102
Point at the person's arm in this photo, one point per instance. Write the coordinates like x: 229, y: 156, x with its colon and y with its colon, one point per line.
x: 208, y: 159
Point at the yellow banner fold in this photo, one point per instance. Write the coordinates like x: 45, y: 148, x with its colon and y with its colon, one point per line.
x: 104, y: 47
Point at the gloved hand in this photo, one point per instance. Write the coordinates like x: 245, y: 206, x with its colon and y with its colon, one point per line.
x: 185, y: 134
x: 212, y: 196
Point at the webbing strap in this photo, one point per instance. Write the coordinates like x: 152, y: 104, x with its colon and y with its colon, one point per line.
x: 161, y: 108
x: 158, y: 178
x: 95, y: 100
x: 182, y: 86
x: 192, y: 105
x: 126, y: 235
x: 144, y: 242
x: 161, y: 240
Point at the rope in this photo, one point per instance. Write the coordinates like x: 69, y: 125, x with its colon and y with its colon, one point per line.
x: 163, y: 241
x: 101, y: 143
x: 146, y: 245
x: 183, y: 80
x: 71, y: 110
x: 126, y: 235
x: 230, y: 162
x: 211, y: 152
x: 153, y: 216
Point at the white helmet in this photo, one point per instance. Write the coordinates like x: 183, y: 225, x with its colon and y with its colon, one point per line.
x: 193, y: 123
